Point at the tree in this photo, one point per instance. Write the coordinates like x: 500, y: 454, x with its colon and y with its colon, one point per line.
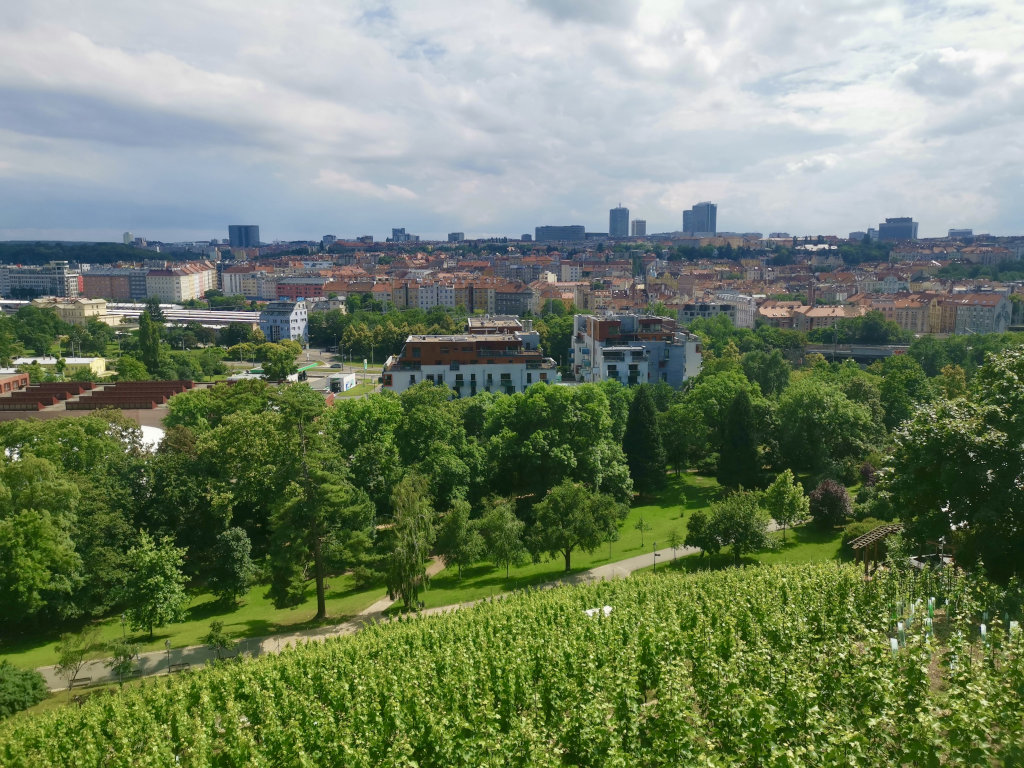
x: 322, y: 516
x: 700, y: 534
x: 19, y: 688
x: 149, y: 342
x: 217, y: 640
x: 155, y: 586
x: 412, y: 532
x: 232, y: 570
x: 957, y: 465
x: 904, y: 385
x: 769, y: 370
x: 278, y: 361
x: 122, y: 658
x: 73, y: 653
x: 819, y: 425
x: 643, y: 526
x: 130, y: 368
x: 739, y: 522
x: 785, y: 501
x: 642, y: 443
x: 675, y: 541
x: 739, y: 461
x: 573, y: 517
x: 830, y: 504
x: 503, y: 534
x: 459, y: 540
x: 154, y: 310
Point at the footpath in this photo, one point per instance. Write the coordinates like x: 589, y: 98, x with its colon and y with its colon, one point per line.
x: 176, y: 660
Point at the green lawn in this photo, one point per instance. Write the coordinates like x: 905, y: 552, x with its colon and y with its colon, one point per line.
x: 664, y: 512
x: 254, y: 617
x: 804, y: 544
x: 360, y: 389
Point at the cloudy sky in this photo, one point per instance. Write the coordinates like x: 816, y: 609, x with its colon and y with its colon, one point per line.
x: 173, y: 119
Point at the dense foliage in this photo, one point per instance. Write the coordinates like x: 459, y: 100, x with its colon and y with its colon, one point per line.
x: 775, y: 666
x: 19, y: 688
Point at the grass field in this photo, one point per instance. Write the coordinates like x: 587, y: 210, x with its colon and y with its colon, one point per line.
x: 254, y: 617
x: 804, y: 544
x: 664, y: 513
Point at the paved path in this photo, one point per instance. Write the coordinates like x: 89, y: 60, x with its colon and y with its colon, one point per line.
x: 156, y: 662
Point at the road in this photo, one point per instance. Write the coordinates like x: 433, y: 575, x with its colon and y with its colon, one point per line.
x: 157, y: 662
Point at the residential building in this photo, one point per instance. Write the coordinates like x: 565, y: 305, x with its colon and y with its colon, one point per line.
x: 896, y: 229
x: 570, y: 232
x: 57, y: 278
x: 301, y: 287
x: 744, y: 308
x: 182, y: 282
x: 285, y: 320
x: 810, y: 318
x: 707, y: 310
x: 12, y: 382
x: 638, y: 228
x: 701, y: 219
x: 470, y: 363
x: 980, y: 312
x: 633, y: 349
x: 618, y: 222
x: 244, y: 236
x: 114, y: 283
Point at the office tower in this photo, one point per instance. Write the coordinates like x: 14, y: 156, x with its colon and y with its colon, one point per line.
x: 244, y: 236
x: 701, y: 219
x: 900, y: 228
x: 127, y: 238
x: 638, y: 228
x: 961, y: 234
x: 555, y: 233
x: 456, y: 237
x: 618, y: 222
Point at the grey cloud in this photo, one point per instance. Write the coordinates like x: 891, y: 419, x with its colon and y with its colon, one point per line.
x: 77, y: 116
x: 609, y: 12
x: 942, y: 74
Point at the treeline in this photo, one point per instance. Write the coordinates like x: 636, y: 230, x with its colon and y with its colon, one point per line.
x: 93, y: 253
x: 260, y: 482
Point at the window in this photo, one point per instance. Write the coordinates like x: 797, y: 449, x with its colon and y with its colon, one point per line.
x: 529, y: 378
x: 415, y: 351
x: 412, y: 379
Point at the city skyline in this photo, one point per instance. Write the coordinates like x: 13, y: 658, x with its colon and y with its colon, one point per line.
x: 170, y: 121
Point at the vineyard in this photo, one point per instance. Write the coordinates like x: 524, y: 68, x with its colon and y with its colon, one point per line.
x: 774, y: 666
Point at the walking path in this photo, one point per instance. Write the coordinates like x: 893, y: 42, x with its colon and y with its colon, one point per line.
x: 179, y: 659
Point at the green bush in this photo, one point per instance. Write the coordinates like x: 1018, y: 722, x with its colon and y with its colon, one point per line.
x: 19, y: 688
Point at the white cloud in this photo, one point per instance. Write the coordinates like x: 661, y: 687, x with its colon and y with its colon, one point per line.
x: 345, y: 183
x: 503, y: 115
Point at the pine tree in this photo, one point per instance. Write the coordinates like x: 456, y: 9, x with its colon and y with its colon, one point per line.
x: 738, y: 462
x: 642, y: 443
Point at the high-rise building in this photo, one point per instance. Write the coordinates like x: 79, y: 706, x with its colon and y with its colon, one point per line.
x: 900, y: 228
x: 618, y: 222
x: 399, y: 235
x: 638, y: 228
x: 701, y: 219
x: 456, y: 237
x: 244, y: 236
x: 127, y: 238
x: 553, y: 233
x: 57, y: 278
x: 961, y: 234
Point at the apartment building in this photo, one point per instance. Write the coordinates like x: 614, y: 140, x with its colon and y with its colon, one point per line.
x: 285, y: 320
x: 633, y: 349
x: 57, y: 278
x: 469, y: 363
x: 181, y: 282
x: 115, y: 283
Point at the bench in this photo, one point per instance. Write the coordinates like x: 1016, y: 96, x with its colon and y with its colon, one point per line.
x: 78, y: 681
x: 179, y: 667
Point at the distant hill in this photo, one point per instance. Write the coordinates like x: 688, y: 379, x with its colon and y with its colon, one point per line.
x: 41, y: 252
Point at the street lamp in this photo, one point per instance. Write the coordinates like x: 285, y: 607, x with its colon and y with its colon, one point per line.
x: 167, y: 645
x: 654, y: 546
x: 124, y: 634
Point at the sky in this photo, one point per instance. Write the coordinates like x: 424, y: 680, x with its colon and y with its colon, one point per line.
x: 174, y: 119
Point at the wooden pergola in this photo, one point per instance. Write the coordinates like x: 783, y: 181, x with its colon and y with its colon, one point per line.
x: 866, y: 546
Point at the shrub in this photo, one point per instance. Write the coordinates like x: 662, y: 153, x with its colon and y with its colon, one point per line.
x: 830, y: 504
x: 19, y: 688
x: 868, y: 474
